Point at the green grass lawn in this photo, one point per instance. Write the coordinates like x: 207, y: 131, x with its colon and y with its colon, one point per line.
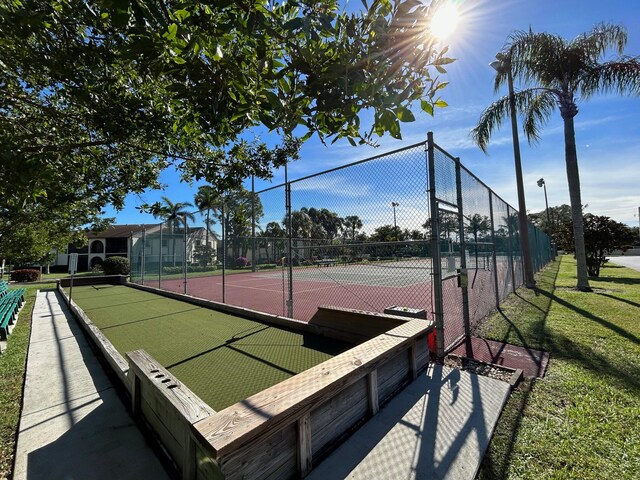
x: 222, y: 358
x: 12, y: 367
x: 582, y: 420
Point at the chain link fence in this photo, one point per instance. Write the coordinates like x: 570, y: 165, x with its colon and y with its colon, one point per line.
x: 411, y: 232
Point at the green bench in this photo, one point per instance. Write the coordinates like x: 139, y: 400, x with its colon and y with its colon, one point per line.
x: 10, y: 303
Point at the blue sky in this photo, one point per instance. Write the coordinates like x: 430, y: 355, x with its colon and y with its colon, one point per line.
x: 607, y: 129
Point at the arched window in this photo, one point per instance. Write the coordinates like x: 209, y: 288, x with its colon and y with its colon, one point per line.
x: 96, y: 261
x: 97, y: 246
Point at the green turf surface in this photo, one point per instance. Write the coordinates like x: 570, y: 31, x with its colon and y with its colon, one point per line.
x: 220, y: 357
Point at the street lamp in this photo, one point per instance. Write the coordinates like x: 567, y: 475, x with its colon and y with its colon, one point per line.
x: 502, y: 64
x: 546, y: 202
x: 395, y: 227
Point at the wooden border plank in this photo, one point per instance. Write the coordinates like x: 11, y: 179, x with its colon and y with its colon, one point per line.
x: 286, y: 402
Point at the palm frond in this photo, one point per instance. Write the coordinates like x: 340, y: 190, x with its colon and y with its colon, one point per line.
x: 536, y: 106
x: 536, y: 57
x: 620, y: 76
x: 603, y: 37
x: 490, y: 119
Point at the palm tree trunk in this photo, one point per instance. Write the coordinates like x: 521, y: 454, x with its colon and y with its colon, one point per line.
x: 573, y: 177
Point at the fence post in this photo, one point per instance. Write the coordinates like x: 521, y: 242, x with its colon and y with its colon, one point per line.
x: 435, y: 249
x: 224, y: 246
x: 493, y: 251
x: 142, y: 266
x: 253, y: 224
x: 184, y: 257
x: 289, y: 241
x: 463, y: 251
x: 160, y: 260
x: 132, y: 259
x: 510, y: 243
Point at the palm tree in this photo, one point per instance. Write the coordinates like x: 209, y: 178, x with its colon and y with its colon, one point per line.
x: 556, y: 72
x: 173, y: 213
x: 207, y: 199
x: 353, y: 223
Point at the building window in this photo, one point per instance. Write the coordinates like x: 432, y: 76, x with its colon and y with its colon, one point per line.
x: 117, y: 246
x: 97, y: 246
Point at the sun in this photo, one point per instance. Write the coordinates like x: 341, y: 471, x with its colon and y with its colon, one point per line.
x: 445, y: 20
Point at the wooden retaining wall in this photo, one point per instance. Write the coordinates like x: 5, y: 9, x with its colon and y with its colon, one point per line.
x: 93, y: 280
x: 168, y: 406
x: 351, y: 325
x: 283, y: 431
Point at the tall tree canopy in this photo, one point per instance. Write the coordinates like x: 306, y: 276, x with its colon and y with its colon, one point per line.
x: 556, y: 72
x: 98, y: 97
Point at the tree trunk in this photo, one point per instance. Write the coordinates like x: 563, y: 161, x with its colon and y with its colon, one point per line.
x: 206, y: 233
x: 573, y: 177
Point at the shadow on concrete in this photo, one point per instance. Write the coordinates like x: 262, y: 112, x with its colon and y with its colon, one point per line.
x: 437, y: 427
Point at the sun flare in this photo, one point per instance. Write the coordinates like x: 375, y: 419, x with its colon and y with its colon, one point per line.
x: 445, y: 20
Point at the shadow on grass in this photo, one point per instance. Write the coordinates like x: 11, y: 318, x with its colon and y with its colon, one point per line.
x: 521, y: 320
x: 623, y: 300
x: 532, y: 332
x: 584, y: 356
x: 605, y: 323
x: 531, y: 314
x: 622, y: 280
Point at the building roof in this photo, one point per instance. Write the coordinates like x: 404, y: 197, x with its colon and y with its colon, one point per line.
x: 120, y: 231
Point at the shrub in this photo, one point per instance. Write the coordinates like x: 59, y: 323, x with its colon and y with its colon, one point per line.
x: 25, y: 275
x: 97, y: 268
x: 116, y: 266
x: 171, y: 270
x: 200, y: 268
x: 204, y: 255
x: 241, y: 262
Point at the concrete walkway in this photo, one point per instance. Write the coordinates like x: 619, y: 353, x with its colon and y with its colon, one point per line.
x: 438, y: 427
x: 74, y: 424
x: 629, y: 262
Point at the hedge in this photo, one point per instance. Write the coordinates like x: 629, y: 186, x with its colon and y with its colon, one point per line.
x: 25, y: 275
x: 116, y: 266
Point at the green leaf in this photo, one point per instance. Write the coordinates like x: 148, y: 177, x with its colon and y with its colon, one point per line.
x: 273, y: 99
x: 427, y: 107
x: 182, y: 15
x: 172, y: 30
x: 441, y: 104
x: 405, y: 115
x: 179, y: 60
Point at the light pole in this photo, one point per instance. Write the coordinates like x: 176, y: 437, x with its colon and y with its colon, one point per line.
x: 395, y: 227
x: 502, y: 64
x: 542, y: 184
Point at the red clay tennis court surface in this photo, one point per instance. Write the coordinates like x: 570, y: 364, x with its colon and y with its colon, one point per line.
x: 338, y: 286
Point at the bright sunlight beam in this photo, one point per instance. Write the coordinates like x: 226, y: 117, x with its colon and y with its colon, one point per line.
x: 445, y: 20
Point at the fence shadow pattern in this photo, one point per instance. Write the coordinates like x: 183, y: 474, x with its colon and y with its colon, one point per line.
x: 412, y: 230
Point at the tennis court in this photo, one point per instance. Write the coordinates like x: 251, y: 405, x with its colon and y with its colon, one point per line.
x: 366, y: 286
x: 220, y: 357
